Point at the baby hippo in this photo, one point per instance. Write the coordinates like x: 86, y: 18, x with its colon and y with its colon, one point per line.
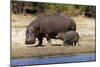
x: 69, y: 38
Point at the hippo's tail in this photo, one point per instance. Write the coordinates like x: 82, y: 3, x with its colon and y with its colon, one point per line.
x: 73, y: 26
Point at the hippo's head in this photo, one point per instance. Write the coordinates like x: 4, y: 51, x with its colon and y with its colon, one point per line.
x: 30, y: 35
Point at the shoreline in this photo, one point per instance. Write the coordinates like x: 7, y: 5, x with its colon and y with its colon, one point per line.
x: 50, y: 51
x: 57, y: 56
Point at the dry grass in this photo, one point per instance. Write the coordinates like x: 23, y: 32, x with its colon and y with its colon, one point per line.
x: 85, y: 27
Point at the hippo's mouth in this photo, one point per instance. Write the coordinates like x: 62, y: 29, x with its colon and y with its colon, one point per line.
x: 29, y: 42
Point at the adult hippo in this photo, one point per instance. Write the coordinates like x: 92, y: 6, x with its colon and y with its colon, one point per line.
x: 48, y: 26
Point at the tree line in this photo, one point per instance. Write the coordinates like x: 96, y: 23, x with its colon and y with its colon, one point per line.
x: 20, y: 7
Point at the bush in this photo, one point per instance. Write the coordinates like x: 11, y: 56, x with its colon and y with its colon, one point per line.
x: 51, y: 8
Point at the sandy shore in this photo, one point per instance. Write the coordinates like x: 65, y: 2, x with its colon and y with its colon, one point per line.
x: 85, y: 27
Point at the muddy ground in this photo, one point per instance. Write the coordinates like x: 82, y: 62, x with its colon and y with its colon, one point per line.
x: 85, y: 27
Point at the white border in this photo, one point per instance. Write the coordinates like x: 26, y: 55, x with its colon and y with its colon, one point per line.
x: 5, y: 33
x: 82, y: 2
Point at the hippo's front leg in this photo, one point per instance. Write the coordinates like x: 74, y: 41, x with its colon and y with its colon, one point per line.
x: 65, y: 43
x: 40, y: 41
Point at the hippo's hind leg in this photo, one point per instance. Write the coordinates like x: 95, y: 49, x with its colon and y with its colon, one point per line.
x: 48, y: 39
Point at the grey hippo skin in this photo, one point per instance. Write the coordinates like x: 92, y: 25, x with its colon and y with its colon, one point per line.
x: 69, y: 38
x: 48, y: 26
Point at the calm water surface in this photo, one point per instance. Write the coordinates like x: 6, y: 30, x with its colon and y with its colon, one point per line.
x: 54, y: 60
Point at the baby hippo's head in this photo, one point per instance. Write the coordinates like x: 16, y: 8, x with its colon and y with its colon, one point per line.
x: 59, y: 36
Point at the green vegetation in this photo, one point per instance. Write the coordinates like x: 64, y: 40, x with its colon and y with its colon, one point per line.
x: 20, y: 7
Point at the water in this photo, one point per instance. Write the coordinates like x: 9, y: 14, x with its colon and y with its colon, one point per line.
x: 54, y: 60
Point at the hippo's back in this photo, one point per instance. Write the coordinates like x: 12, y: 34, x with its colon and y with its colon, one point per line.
x: 57, y: 23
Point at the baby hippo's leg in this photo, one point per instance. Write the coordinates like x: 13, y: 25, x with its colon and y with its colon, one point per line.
x: 72, y: 43
x: 65, y: 43
x: 69, y: 43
